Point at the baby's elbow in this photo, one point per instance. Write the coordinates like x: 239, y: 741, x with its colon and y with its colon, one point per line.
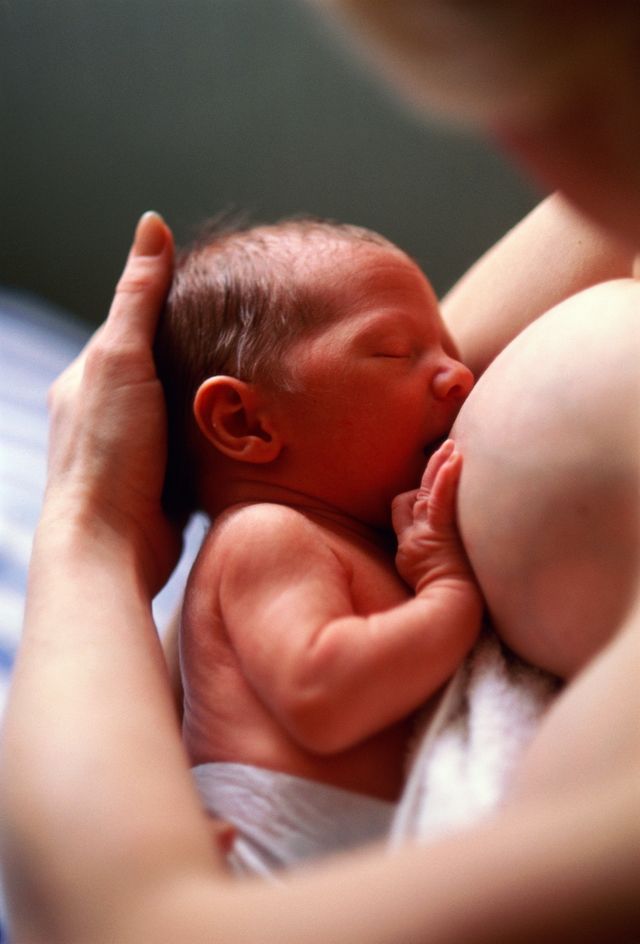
x: 318, y: 704
x: 313, y: 720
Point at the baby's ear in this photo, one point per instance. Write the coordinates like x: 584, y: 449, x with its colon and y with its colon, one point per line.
x: 231, y: 414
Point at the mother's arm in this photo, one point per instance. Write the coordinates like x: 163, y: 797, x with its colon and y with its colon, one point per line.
x: 551, y: 254
x: 92, y: 764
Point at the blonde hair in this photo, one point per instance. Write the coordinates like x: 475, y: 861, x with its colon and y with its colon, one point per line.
x: 490, y: 61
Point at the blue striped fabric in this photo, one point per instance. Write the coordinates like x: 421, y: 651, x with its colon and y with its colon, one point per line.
x: 36, y: 342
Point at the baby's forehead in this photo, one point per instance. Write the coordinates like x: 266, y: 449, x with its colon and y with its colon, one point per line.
x: 366, y: 287
x: 309, y: 247
x: 358, y: 266
x: 329, y: 272
x: 339, y: 265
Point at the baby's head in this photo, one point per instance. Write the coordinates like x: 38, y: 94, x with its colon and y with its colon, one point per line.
x: 276, y: 344
x: 240, y: 297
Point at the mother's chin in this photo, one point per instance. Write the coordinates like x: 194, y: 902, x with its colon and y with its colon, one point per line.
x: 549, y: 499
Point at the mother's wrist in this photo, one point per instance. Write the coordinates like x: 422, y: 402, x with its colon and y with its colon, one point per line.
x: 76, y: 527
x: 135, y: 529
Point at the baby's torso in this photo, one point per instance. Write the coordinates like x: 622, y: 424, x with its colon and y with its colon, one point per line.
x: 225, y: 720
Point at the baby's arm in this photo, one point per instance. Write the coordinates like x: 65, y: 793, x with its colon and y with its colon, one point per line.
x: 332, y: 677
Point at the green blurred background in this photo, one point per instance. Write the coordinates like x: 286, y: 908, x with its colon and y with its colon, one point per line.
x: 110, y: 107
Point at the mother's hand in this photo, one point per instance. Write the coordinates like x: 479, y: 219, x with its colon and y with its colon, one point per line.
x: 107, y: 450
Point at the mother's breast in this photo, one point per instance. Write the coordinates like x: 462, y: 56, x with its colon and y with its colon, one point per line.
x: 549, y: 496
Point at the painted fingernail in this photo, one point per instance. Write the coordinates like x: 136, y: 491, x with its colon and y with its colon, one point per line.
x: 151, y: 235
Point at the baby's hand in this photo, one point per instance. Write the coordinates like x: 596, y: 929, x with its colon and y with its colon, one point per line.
x: 429, y: 546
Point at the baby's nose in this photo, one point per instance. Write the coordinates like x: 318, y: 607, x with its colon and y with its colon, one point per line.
x: 452, y: 380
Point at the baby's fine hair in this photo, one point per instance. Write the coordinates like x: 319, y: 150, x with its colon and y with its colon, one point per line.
x: 240, y: 296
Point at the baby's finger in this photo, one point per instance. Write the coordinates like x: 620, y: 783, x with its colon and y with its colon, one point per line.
x: 144, y: 283
x: 402, y: 511
x: 434, y: 464
x: 441, y: 508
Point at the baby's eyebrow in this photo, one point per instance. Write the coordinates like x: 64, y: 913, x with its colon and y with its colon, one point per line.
x: 383, y: 323
x: 393, y: 324
x: 375, y: 333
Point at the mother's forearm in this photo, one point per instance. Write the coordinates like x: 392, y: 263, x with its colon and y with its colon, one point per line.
x: 552, y: 254
x: 93, y: 772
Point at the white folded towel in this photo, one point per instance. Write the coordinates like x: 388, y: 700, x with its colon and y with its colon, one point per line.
x: 462, y: 762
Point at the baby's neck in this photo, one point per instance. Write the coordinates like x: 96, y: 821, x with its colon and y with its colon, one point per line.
x: 248, y: 492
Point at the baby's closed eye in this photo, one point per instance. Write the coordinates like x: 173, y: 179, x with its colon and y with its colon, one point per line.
x: 399, y: 347
x: 394, y: 354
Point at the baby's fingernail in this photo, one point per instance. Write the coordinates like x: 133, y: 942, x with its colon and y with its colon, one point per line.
x: 151, y: 235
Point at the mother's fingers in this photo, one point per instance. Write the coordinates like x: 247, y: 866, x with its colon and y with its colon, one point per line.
x: 144, y: 283
x: 64, y: 389
x: 139, y: 295
x: 119, y: 354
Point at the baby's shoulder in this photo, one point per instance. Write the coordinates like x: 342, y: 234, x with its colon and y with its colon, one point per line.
x: 258, y: 517
x: 262, y: 528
